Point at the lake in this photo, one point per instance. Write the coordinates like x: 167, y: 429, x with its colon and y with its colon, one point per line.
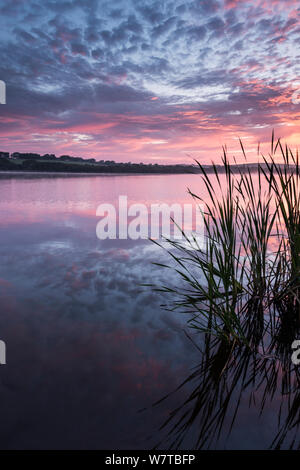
x: 88, y: 346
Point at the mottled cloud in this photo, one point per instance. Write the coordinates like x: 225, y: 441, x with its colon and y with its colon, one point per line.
x: 191, y: 75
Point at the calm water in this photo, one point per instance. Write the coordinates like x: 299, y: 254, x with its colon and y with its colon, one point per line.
x: 87, y: 347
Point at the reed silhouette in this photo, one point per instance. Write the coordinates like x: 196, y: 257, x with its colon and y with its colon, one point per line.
x: 241, y: 295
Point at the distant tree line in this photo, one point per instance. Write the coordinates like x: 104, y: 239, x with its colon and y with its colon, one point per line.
x: 19, y: 161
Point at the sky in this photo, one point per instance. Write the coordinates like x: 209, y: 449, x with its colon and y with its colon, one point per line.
x: 149, y: 81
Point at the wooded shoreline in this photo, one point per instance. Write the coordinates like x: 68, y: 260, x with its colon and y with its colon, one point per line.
x: 61, y: 166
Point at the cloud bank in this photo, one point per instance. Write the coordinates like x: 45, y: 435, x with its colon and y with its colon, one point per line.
x: 148, y: 81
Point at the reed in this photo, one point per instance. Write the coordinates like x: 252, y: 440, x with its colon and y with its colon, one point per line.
x: 250, y: 264
x: 241, y: 293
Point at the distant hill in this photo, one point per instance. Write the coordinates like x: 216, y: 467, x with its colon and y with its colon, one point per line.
x: 33, y: 162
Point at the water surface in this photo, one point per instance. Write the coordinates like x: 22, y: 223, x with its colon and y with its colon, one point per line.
x: 87, y: 346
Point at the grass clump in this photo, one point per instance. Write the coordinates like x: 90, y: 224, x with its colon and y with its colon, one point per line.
x: 241, y: 291
x: 249, y: 268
